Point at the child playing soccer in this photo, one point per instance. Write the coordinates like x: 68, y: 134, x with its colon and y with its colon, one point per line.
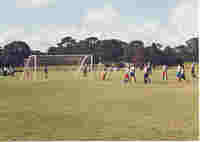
x: 132, y: 73
x: 149, y: 68
x: 85, y: 71
x: 46, y: 71
x: 103, y: 74
x: 178, y: 73
x: 126, y: 76
x: 146, y: 75
x: 164, y: 74
x: 193, y: 71
x: 110, y: 72
x: 182, y: 72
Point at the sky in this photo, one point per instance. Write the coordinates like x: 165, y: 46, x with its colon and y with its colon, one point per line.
x: 42, y: 23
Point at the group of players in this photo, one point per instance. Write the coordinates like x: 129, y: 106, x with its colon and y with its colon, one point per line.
x: 130, y: 73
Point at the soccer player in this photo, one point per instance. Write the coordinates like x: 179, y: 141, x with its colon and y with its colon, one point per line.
x: 85, y: 71
x: 111, y: 69
x: 193, y: 70
x: 103, y: 74
x: 126, y: 78
x: 149, y: 68
x: 182, y: 72
x: 178, y: 73
x: 46, y: 71
x: 132, y: 73
x: 146, y: 75
x: 12, y: 71
x: 164, y: 74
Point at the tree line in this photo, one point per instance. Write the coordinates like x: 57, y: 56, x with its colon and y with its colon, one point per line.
x: 105, y: 51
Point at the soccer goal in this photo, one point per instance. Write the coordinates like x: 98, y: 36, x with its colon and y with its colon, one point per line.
x: 34, y: 64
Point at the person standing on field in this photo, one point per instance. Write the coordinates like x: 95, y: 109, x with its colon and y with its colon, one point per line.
x: 146, y: 75
x: 164, y: 74
x: 46, y: 71
x: 132, y: 73
x: 178, y: 73
x: 103, y: 74
x: 110, y: 71
x: 193, y: 70
x: 149, y: 68
x: 183, y: 73
x: 126, y: 77
x: 85, y: 71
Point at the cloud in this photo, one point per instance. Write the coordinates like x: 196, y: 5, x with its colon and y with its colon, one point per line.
x: 107, y: 22
x: 106, y: 15
x: 182, y: 24
x: 35, y: 3
x: 14, y: 33
x: 184, y: 18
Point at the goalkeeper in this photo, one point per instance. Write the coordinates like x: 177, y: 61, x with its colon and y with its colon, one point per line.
x: 46, y: 71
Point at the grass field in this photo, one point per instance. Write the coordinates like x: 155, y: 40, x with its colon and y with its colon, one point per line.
x: 68, y: 108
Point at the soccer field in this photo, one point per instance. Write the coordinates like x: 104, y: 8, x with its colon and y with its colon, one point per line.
x: 68, y: 108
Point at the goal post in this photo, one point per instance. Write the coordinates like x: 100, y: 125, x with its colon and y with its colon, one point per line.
x: 35, y: 63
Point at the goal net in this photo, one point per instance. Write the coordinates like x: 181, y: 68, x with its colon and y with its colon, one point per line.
x: 34, y: 65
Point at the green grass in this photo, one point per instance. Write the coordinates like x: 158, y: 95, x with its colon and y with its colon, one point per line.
x: 68, y: 108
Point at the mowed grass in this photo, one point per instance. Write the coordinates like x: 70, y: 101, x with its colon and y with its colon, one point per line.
x: 67, y: 107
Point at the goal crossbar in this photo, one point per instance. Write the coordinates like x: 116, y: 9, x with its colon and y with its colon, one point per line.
x: 34, y: 62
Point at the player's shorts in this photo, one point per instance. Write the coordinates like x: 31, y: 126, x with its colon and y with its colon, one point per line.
x: 192, y: 71
x: 132, y: 74
x: 146, y: 75
x: 178, y: 74
x: 182, y: 75
x: 164, y: 73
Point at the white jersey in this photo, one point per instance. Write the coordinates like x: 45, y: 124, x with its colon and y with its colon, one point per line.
x: 145, y: 69
x: 148, y: 66
x: 132, y: 69
x: 179, y: 69
x: 182, y: 70
x: 165, y: 68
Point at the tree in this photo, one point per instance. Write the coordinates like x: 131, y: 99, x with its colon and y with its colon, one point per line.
x: 136, y: 51
x: 133, y: 46
x: 92, y: 42
x: 168, y: 51
x: 67, y: 42
x: 112, y: 48
x: 137, y: 44
x: 52, y: 50
x: 16, y: 51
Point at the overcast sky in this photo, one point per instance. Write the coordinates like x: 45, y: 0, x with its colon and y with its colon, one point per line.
x: 42, y: 23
